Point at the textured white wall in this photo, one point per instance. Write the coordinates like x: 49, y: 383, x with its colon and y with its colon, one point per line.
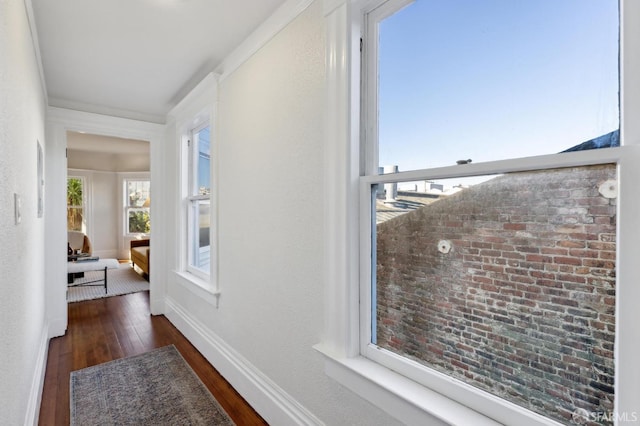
x: 105, y: 208
x: 270, y: 135
x: 22, y: 283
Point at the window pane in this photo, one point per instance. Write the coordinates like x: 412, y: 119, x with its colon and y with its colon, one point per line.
x: 75, y: 218
x: 75, y: 202
x: 203, y: 161
x: 139, y: 222
x: 138, y: 193
x: 496, y: 79
x: 75, y: 189
x: 508, y: 285
x: 200, y: 244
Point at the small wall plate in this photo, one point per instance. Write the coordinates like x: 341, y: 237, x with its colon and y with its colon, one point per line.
x: 17, y: 208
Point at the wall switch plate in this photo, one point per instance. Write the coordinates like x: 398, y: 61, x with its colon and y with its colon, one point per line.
x: 17, y: 208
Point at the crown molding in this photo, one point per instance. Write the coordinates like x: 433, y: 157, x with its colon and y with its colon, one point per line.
x: 28, y: 6
x: 104, y: 110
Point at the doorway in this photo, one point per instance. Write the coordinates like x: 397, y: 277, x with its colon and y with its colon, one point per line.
x: 108, y: 207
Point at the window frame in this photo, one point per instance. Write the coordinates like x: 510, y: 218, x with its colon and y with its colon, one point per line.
x: 473, y: 397
x: 197, y: 107
x: 128, y: 209
x: 83, y: 206
x: 193, y: 200
x: 348, y: 200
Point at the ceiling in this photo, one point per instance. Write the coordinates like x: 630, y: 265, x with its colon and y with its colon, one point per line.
x: 137, y: 58
x: 105, y: 144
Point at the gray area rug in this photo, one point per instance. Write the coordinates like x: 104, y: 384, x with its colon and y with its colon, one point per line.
x: 123, y: 280
x: 155, y: 388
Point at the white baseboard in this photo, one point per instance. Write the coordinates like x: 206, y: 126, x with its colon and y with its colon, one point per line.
x: 37, y: 383
x: 265, y: 396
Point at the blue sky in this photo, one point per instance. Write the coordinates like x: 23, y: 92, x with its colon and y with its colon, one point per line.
x: 495, y: 79
x: 204, y: 161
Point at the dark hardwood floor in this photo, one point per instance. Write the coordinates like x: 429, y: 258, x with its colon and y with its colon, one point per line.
x: 106, y: 329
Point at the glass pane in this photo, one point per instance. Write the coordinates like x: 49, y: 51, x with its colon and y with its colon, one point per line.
x: 75, y: 219
x: 200, y: 244
x: 508, y: 284
x: 496, y: 79
x: 75, y: 201
x: 75, y: 187
x: 139, y: 193
x: 139, y: 222
x: 203, y: 161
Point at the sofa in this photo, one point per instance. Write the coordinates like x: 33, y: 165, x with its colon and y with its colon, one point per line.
x: 140, y: 254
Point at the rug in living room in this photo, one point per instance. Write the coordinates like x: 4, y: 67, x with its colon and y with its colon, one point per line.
x: 123, y: 280
x: 154, y: 388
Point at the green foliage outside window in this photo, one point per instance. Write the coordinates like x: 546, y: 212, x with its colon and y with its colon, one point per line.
x: 74, y: 192
x: 139, y: 222
x: 74, y: 204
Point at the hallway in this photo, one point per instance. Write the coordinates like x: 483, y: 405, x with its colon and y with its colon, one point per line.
x: 102, y: 330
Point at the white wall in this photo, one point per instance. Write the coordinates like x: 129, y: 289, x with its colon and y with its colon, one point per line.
x: 23, y: 335
x: 102, y: 210
x: 270, y: 171
x: 105, y: 209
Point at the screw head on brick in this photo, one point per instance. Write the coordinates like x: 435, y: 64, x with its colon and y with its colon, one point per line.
x: 609, y: 189
x: 444, y: 246
x: 580, y: 416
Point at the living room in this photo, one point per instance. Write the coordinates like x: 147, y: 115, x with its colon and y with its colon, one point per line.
x: 108, y: 205
x: 114, y: 176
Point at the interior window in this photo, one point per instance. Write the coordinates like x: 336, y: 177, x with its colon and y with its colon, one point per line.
x: 199, y: 202
x: 75, y: 204
x: 138, y: 206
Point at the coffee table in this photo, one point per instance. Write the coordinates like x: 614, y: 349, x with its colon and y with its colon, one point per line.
x: 84, y: 265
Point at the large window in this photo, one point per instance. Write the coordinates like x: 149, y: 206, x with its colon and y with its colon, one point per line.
x: 138, y: 203
x: 199, y: 201
x: 76, y: 220
x: 484, y: 268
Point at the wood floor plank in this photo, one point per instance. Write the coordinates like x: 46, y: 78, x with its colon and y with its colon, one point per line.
x: 106, y: 329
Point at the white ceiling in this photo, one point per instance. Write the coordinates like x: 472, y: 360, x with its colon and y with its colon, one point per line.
x: 96, y: 143
x: 137, y: 58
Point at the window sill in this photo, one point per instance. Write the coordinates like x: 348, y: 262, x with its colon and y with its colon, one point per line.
x: 399, y: 396
x: 137, y: 235
x: 197, y: 286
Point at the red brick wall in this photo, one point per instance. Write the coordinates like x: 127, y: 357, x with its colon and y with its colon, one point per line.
x: 523, y: 304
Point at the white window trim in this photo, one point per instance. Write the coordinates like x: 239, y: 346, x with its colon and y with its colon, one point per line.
x: 192, y: 179
x: 86, y: 198
x: 83, y: 203
x: 196, y: 108
x: 389, y: 390
x: 125, y: 177
x: 198, y: 287
x: 480, y: 401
